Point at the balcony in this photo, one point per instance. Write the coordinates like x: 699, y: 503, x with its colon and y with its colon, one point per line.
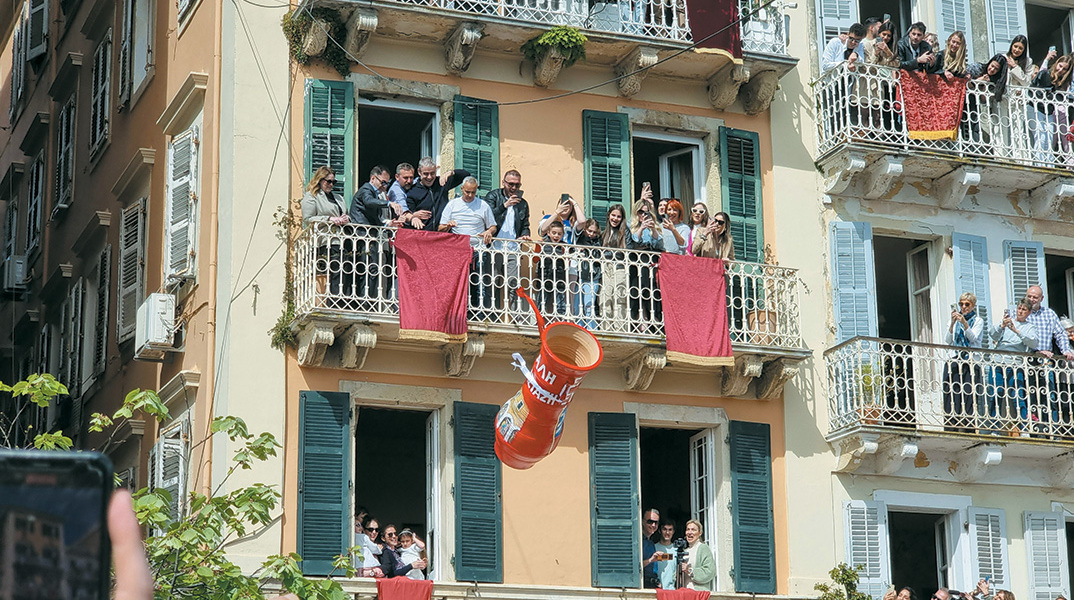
x: 864, y: 149
x: 627, y: 37
x: 894, y: 405
x: 762, y: 304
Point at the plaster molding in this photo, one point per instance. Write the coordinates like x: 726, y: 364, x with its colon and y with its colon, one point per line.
x: 138, y: 169
x: 736, y: 379
x: 361, y: 26
x: 775, y: 375
x: 459, y: 47
x: 185, y: 104
x: 358, y: 341
x: 459, y: 358
x: 633, y: 69
x: 970, y: 465
x: 851, y: 451
x: 640, y: 368
x: 880, y: 175
x: 1046, y: 200
x: 314, y: 339
x: 723, y: 86
x: 951, y: 189
x: 841, y: 172
x: 892, y: 452
x: 758, y: 92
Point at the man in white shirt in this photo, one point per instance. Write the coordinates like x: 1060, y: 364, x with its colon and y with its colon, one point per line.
x: 849, y: 50
x: 469, y: 215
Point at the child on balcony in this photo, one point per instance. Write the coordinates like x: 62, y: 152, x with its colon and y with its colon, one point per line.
x: 554, y: 272
x: 589, y: 273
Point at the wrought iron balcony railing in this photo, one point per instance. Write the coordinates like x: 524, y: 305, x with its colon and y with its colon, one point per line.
x: 911, y: 386
x: 350, y: 270
x: 764, y: 30
x: 1028, y: 126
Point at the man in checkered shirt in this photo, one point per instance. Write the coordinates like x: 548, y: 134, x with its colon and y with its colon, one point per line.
x: 1048, y: 326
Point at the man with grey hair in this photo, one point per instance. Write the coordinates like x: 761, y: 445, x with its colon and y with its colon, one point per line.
x: 431, y: 193
x: 469, y: 215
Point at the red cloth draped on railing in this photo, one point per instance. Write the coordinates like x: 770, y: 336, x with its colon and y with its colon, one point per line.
x: 932, y: 104
x: 694, y: 296
x: 433, y: 269
x: 682, y: 594
x: 404, y: 588
x: 709, y: 16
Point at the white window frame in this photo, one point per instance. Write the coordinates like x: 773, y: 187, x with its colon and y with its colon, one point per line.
x: 35, y: 203
x: 130, y: 279
x: 101, y: 94
x: 695, y: 146
x: 181, y: 214
x: 703, y: 483
x: 65, y: 154
x: 957, y: 509
x: 436, y: 548
x: 41, y: 20
x: 173, y: 440
x: 142, y: 30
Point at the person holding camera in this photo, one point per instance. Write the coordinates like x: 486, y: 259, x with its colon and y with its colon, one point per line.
x: 646, y: 234
x: 700, y: 566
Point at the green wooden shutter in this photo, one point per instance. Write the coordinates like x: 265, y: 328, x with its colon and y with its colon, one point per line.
x: 324, y: 474
x: 615, y: 518
x: 751, y: 507
x: 477, y: 141
x: 478, y: 500
x: 606, y: 141
x: 330, y: 131
x: 740, y: 169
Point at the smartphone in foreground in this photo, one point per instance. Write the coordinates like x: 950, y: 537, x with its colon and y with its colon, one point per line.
x: 53, y: 508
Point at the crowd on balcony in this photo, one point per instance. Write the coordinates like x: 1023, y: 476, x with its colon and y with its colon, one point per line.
x: 1009, y: 396
x: 1046, y: 91
x: 570, y: 251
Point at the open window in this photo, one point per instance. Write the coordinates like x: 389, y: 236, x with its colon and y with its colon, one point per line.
x: 392, y: 132
x: 671, y: 163
x: 1049, y: 24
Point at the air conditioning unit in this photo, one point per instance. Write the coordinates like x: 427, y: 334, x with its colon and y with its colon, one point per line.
x: 154, y: 329
x: 15, y: 273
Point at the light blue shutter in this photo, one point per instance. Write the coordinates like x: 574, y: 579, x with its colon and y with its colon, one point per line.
x: 478, y: 500
x: 1025, y: 268
x: 606, y: 154
x: 751, y: 507
x: 853, y: 280
x: 988, y: 546
x: 835, y: 16
x: 477, y: 141
x: 1006, y: 19
x: 330, y: 131
x: 952, y: 16
x: 615, y: 519
x: 866, y: 528
x: 971, y: 272
x: 740, y: 168
x: 324, y: 474
x: 1046, y: 550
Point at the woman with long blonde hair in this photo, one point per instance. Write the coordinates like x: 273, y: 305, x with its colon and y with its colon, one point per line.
x: 320, y: 204
x: 952, y: 59
x: 715, y: 241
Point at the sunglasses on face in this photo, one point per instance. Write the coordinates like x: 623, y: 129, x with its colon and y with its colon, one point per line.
x: 390, y: 534
x: 719, y: 221
x: 698, y: 211
x: 372, y: 528
x: 330, y: 181
x: 652, y: 521
x: 965, y: 304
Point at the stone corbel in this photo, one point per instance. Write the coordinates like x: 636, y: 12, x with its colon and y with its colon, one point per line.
x: 360, y: 28
x: 641, y: 57
x: 880, y: 175
x: 1046, y: 200
x: 460, y: 46
x: 853, y: 450
x: 839, y: 174
x: 316, y: 39
x: 971, y: 464
x: 1061, y: 471
x: 893, y: 452
x: 314, y: 339
x: 459, y: 358
x: 723, y: 86
x: 951, y: 188
x: 736, y: 379
x: 757, y: 93
x: 641, y: 367
x: 774, y: 376
x: 547, y: 67
x: 358, y: 341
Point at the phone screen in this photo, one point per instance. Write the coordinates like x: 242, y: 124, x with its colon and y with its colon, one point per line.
x: 52, y: 513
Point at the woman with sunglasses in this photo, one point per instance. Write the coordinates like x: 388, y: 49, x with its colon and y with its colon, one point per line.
x: 321, y: 203
x: 390, y: 561
x: 961, y: 377
x: 714, y: 241
x: 699, y: 218
x: 371, y: 549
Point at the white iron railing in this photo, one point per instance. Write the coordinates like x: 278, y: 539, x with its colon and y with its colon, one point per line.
x: 764, y: 30
x: 350, y: 269
x: 929, y: 387
x: 662, y: 19
x: 1028, y: 126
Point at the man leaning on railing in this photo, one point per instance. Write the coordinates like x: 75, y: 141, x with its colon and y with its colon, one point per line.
x: 469, y: 215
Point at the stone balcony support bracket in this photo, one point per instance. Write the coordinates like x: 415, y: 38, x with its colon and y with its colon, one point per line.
x: 316, y: 39
x: 774, y: 376
x: 459, y: 358
x: 358, y: 341
x: 736, y: 379
x: 641, y: 367
x: 852, y: 451
x: 459, y: 47
x: 723, y: 86
x: 314, y: 339
x: 1046, y: 200
x: 951, y: 189
x: 880, y: 176
x: 633, y: 69
x: 893, y: 452
x: 839, y: 175
x: 1061, y: 471
x: 360, y: 28
x: 757, y: 93
x: 972, y: 464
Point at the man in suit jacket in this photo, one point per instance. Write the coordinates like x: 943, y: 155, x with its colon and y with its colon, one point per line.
x: 370, y: 204
x: 915, y: 54
x: 512, y: 214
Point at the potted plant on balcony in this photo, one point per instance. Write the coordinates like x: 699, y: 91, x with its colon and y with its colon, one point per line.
x: 870, y: 382
x: 559, y: 47
x: 761, y: 321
